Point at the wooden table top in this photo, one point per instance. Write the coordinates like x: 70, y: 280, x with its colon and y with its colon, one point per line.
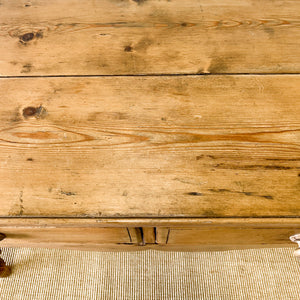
x: 151, y: 108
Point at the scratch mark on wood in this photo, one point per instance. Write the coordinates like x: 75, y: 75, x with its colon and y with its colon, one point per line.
x: 67, y: 193
x: 254, y: 167
x: 244, y: 193
x: 194, y: 194
x: 21, y: 203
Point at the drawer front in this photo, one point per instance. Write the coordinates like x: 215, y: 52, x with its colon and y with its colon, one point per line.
x: 65, y: 237
x: 206, y: 234
x: 227, y: 237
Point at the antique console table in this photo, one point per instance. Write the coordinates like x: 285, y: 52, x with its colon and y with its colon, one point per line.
x: 149, y: 124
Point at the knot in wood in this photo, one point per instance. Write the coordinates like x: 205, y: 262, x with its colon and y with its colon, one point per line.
x: 27, y: 37
x: 29, y: 111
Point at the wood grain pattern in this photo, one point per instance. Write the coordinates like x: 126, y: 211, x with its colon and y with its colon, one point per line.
x: 161, y: 223
x: 149, y: 234
x: 74, y: 37
x: 229, y: 236
x: 136, y: 235
x: 219, y: 146
x: 188, y: 234
x: 162, y: 235
x: 61, y: 236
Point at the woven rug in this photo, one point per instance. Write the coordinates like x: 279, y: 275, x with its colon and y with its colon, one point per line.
x: 70, y: 274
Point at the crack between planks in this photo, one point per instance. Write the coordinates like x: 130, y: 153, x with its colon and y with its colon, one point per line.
x: 149, y: 217
x: 149, y: 75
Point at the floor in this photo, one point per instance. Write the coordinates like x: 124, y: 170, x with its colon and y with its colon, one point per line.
x: 70, y: 274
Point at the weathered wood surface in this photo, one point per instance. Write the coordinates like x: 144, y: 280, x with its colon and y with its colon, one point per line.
x: 194, y: 234
x: 60, y: 237
x: 230, y: 236
x: 216, y: 146
x: 74, y: 37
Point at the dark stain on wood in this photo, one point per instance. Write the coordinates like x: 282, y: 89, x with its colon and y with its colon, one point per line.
x: 106, y: 116
x: 218, y: 65
x: 16, y: 115
x: 143, y: 44
x: 128, y: 49
x: 219, y: 190
x: 21, y: 203
x: 39, y: 34
x: 67, y: 193
x: 253, y: 194
x: 37, y: 112
x: 283, y: 159
x: 248, y: 193
x: 267, y: 197
x: 26, y: 68
x: 198, y: 157
x: 29, y: 159
x: 194, y: 194
x: 26, y: 37
x: 29, y: 111
x: 269, y: 30
x: 139, y: 1
x: 209, y: 213
x: 253, y: 167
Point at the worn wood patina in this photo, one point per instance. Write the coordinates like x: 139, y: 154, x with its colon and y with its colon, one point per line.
x: 165, y: 124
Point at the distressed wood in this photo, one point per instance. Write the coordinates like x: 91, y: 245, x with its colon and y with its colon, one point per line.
x: 25, y: 236
x: 197, y: 234
x: 74, y: 37
x: 132, y: 223
x: 149, y: 235
x: 136, y: 235
x: 230, y: 236
x: 217, y: 146
x: 162, y: 235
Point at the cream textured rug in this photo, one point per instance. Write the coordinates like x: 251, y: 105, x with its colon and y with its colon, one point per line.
x: 69, y: 274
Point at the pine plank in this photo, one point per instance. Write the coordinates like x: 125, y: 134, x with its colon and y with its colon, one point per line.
x: 74, y: 37
x: 188, y: 234
x: 65, y: 236
x: 230, y: 236
x: 193, y: 146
